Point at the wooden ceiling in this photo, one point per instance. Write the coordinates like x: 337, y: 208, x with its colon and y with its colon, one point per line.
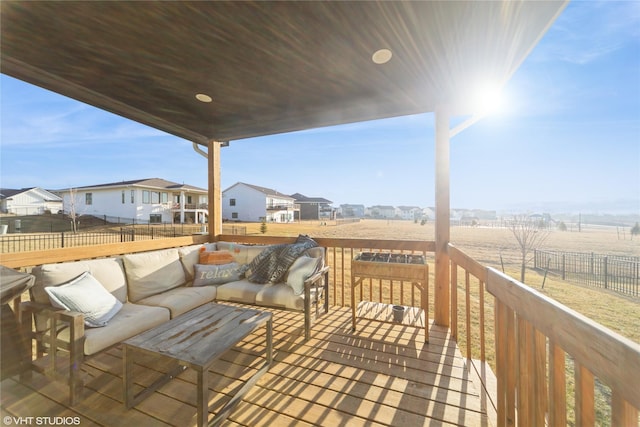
x: 269, y: 67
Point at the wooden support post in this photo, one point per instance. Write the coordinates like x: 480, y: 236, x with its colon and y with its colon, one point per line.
x: 215, y: 190
x: 441, y: 294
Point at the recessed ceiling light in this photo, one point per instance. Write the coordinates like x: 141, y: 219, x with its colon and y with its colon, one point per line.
x: 203, y: 98
x: 381, y: 56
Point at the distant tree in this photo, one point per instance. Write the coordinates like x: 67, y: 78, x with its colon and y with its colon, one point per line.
x: 562, y: 226
x: 530, y: 235
x: 635, y: 230
x: 263, y: 226
x: 72, y: 211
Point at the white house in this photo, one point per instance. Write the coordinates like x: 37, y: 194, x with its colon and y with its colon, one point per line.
x: 152, y: 200
x: 251, y: 203
x: 381, y: 211
x: 409, y: 212
x: 429, y: 213
x: 351, y: 211
x: 29, y: 201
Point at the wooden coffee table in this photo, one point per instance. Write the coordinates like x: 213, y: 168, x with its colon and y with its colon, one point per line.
x: 195, y: 340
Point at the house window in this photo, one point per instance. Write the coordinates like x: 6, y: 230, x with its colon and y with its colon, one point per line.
x: 88, y: 199
x: 155, y: 197
x: 123, y: 197
x: 232, y: 202
x: 164, y: 197
x: 132, y: 195
x: 155, y: 219
x: 234, y: 215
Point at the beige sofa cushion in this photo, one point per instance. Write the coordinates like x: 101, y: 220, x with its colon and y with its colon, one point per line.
x: 303, y: 268
x: 150, y: 273
x: 180, y: 300
x: 108, y: 271
x: 240, y: 291
x: 281, y: 295
x: 189, y: 256
x: 131, y: 320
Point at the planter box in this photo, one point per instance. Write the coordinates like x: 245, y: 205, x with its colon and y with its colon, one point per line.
x: 381, y: 265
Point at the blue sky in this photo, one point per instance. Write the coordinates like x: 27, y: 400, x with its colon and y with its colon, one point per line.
x: 568, y: 137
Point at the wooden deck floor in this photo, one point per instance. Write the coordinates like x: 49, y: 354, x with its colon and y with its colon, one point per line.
x: 383, y: 374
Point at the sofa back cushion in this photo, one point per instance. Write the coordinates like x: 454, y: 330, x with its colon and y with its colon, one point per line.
x: 150, y: 273
x: 189, y: 256
x: 108, y: 271
x: 243, y: 254
x: 317, y: 252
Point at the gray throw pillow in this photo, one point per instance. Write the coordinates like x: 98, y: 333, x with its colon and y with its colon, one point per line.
x: 216, y: 274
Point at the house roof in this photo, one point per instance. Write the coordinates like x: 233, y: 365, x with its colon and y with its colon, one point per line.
x: 301, y: 198
x: 10, y: 192
x: 147, y: 183
x: 268, y: 67
x: 48, y: 196
x: 264, y: 190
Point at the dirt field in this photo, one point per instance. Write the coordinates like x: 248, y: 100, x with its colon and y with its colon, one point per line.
x: 483, y: 243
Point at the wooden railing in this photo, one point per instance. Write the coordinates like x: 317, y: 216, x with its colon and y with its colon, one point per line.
x: 529, y: 340
x: 21, y: 260
x: 538, y: 349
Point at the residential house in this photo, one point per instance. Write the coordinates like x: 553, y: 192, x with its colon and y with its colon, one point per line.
x: 409, y: 212
x: 252, y: 203
x: 314, y: 207
x: 381, y: 211
x: 153, y: 200
x: 429, y: 213
x: 351, y: 211
x: 29, y: 201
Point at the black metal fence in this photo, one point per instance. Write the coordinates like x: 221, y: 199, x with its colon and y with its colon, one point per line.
x: 66, y: 239
x: 617, y: 273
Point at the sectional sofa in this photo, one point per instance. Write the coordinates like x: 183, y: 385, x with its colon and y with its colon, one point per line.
x: 95, y: 304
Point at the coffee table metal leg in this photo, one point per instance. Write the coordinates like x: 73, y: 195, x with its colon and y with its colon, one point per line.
x: 269, y: 341
x: 203, y: 397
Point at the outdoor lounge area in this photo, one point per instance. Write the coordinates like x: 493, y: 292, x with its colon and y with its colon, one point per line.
x: 382, y: 375
x: 478, y: 347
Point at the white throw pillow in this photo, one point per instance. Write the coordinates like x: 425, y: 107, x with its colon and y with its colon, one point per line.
x: 302, y: 268
x: 86, y: 295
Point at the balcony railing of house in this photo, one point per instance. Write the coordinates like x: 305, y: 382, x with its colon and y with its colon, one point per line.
x: 191, y: 206
x: 547, y: 359
x: 282, y: 207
